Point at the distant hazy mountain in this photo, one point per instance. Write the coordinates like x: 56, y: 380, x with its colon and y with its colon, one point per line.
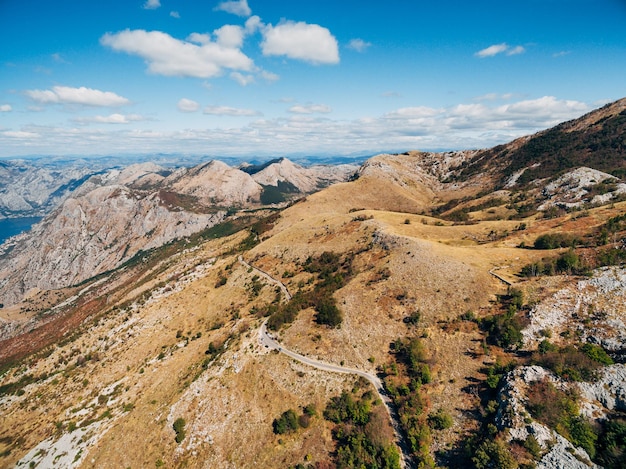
x: 30, y: 190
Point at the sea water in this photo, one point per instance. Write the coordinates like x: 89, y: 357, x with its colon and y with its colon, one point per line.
x: 12, y: 226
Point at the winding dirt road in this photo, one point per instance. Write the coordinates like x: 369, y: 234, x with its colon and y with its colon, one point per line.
x: 269, y: 342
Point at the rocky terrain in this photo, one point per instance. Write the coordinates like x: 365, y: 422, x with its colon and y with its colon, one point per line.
x: 27, y: 190
x: 490, y: 307
x: 112, y: 216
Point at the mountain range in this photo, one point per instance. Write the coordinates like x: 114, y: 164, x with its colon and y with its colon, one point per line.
x: 426, y: 309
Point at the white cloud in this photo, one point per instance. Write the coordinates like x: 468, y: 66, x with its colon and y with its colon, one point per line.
x: 243, y: 80
x: 269, y: 76
x: 199, y: 38
x: 187, y: 105
x: 5, y: 108
x: 310, y: 109
x: 499, y: 49
x: 391, y: 94
x: 111, y: 119
x: 168, y: 56
x: 416, y: 112
x: 19, y: 134
x: 462, y: 126
x: 229, y: 111
x: 516, y: 50
x: 175, y: 14
x: 561, y: 53
x: 253, y: 24
x: 494, y: 97
x: 359, y: 45
x: 230, y: 36
x: 236, y: 7
x: 492, y: 50
x: 308, y: 42
x: 82, y: 96
x: 152, y: 4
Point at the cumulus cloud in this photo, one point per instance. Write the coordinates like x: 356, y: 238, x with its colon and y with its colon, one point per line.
x: 500, y: 49
x: 152, y: 4
x: 82, y: 96
x: 168, y: 56
x: 187, y: 105
x: 111, y: 119
x: 308, y: 42
x: 230, y: 36
x: 236, y: 7
x: 268, y: 76
x: 5, y: 108
x: 359, y: 45
x: 310, y: 109
x: 229, y: 111
x: 253, y: 24
x: 243, y: 80
x: 175, y: 14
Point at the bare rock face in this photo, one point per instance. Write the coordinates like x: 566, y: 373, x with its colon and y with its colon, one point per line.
x: 594, y: 308
x: 609, y: 390
x: 572, y: 188
x: 27, y: 190
x: 306, y: 180
x: 512, y: 416
x: 91, y: 234
x: 215, y: 183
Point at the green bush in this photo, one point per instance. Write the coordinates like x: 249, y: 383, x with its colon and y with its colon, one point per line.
x: 596, y: 353
x: 556, y: 240
x: 569, y: 363
x: 582, y: 434
x: 286, y: 423
x: 440, y: 420
x: 611, y: 446
x: 179, y: 428
x: 361, y: 442
x: 494, y: 454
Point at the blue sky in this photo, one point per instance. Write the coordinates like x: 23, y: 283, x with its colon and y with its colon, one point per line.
x: 278, y: 78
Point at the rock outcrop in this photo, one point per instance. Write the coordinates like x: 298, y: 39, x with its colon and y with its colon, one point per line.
x: 91, y: 234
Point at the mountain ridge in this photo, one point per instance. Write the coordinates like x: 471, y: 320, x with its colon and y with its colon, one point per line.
x: 478, y: 309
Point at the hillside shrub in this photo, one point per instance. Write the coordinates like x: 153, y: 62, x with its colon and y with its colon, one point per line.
x: 179, y: 428
x: 286, y: 423
x: 571, y: 363
x: 403, y: 381
x: 597, y: 353
x: 494, y: 453
x: 611, y: 445
x: 440, y: 420
x: 364, y: 439
x: 333, y: 272
x: 556, y: 240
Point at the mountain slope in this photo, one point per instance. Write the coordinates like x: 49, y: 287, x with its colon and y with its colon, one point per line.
x: 114, y: 215
x: 475, y: 327
x: 594, y: 140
